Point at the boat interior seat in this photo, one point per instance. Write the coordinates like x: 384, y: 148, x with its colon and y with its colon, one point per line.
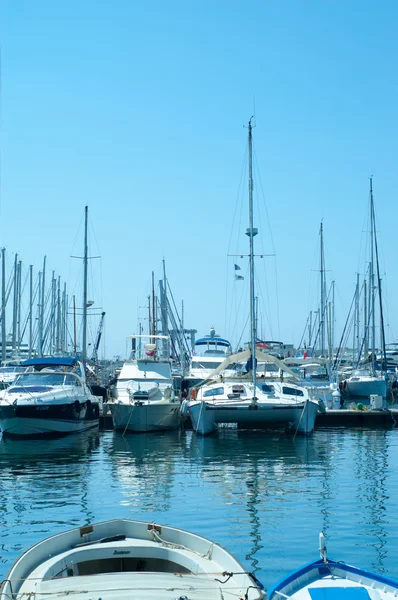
x: 127, y: 556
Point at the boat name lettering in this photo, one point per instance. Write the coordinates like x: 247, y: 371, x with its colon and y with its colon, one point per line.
x: 121, y: 552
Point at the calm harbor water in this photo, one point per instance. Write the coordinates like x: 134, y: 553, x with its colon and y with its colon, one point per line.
x: 265, y: 497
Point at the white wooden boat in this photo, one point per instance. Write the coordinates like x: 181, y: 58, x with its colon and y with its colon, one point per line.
x: 327, y: 579
x: 124, y: 559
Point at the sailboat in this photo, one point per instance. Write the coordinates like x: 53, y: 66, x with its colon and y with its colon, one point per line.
x: 365, y: 380
x: 245, y: 399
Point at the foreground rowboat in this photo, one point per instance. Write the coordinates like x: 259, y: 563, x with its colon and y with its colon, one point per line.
x: 122, y: 559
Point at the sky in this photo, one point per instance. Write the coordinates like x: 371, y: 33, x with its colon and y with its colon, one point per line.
x: 137, y: 110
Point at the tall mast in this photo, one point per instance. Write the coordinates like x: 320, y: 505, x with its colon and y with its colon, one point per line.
x: 3, y: 307
x: 85, y: 263
x: 30, y: 310
x: 164, y: 312
x: 74, y: 326
x: 153, y: 307
x: 42, y: 287
x: 19, y: 305
x: 251, y: 232
x: 355, y: 345
x: 365, y: 320
x: 323, y: 304
x: 58, y: 323
x: 15, y: 306
x: 382, y: 332
x: 371, y: 275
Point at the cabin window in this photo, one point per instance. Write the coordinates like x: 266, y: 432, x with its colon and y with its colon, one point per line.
x: 292, y: 391
x: 238, y: 389
x: 214, y: 392
x: 205, y: 364
x: 267, y: 388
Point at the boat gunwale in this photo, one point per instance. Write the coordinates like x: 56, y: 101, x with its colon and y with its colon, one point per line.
x: 329, y: 564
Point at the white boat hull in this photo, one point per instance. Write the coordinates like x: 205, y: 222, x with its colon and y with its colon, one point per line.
x: 25, y: 427
x: 145, y: 417
x: 206, y: 416
x: 367, y: 387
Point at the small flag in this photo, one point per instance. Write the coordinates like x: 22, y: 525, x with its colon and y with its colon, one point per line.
x: 239, y: 277
x: 237, y: 267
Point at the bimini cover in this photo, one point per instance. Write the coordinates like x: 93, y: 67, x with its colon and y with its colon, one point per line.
x: 64, y: 361
x: 213, y: 341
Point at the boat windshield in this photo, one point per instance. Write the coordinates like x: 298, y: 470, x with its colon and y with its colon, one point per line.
x: 205, y: 365
x: 50, y: 379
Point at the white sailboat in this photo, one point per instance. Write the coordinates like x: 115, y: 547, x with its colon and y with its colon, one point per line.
x: 365, y: 381
x: 246, y: 400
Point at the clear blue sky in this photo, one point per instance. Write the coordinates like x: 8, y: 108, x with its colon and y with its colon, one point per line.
x: 137, y: 108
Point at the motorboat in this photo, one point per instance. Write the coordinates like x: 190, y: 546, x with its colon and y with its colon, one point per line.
x: 144, y: 397
x: 124, y: 559
x: 269, y: 404
x: 50, y: 398
x: 208, y: 354
x: 326, y: 579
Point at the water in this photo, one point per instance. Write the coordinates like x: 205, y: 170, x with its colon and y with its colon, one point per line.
x: 265, y: 497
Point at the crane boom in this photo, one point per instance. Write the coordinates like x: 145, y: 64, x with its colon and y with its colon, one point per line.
x: 94, y: 356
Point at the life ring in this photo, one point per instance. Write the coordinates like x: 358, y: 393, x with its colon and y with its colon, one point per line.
x: 193, y: 394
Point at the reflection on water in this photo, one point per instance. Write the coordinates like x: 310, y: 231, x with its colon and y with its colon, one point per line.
x: 263, y: 496
x: 143, y: 465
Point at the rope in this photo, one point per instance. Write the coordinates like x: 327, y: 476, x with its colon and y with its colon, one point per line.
x: 302, y: 412
x: 128, y: 422
x: 200, y: 412
x: 207, y: 554
x: 33, y: 595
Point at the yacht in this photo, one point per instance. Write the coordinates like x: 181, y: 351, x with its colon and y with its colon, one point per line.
x: 144, y: 397
x: 50, y: 399
x: 209, y: 352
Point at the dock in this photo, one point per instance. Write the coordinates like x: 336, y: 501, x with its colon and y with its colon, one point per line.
x: 343, y: 417
x: 357, y: 418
